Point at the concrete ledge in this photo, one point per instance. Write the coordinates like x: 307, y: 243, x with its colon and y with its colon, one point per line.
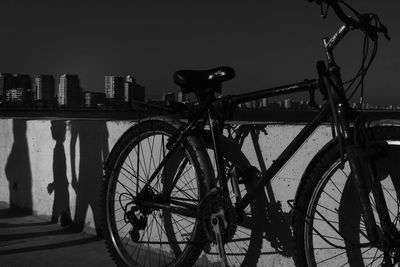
x: 47, y: 166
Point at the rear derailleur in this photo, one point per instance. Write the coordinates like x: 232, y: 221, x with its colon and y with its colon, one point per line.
x: 137, y: 215
x: 138, y: 223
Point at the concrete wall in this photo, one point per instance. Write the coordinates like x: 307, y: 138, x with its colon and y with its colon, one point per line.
x: 49, y: 165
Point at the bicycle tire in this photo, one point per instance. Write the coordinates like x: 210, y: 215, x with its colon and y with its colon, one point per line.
x: 192, y: 238
x: 328, y: 195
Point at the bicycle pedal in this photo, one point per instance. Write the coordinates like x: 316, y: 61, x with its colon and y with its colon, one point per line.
x: 217, y: 227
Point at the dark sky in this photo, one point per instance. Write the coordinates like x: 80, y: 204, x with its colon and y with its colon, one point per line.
x: 268, y: 43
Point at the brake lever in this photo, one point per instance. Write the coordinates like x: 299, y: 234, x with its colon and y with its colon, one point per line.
x: 385, y: 32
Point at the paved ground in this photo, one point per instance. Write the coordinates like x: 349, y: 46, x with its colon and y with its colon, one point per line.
x: 27, y: 240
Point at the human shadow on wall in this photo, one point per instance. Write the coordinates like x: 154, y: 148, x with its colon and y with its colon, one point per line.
x: 93, y: 150
x: 18, y: 170
x: 270, y: 220
x: 60, y: 181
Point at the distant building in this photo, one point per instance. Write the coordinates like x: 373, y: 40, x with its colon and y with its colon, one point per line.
x: 287, y: 103
x: 181, y: 97
x: 69, y: 91
x: 43, y: 88
x: 264, y: 102
x: 23, y: 81
x: 21, y: 89
x: 254, y: 104
x: 16, y: 95
x: 168, y: 97
x: 93, y: 99
x: 132, y: 91
x: 6, y: 83
x: 114, y: 88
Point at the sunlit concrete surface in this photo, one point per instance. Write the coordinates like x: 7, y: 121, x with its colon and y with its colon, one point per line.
x: 27, y: 240
x: 34, y: 151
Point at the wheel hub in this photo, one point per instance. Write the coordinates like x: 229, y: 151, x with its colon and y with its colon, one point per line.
x: 146, y: 195
x: 137, y: 215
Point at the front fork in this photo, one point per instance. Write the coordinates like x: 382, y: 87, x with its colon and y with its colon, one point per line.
x: 360, y: 152
x: 365, y: 178
x: 356, y: 145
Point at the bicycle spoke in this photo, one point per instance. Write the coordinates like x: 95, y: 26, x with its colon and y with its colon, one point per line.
x: 331, y: 197
x: 328, y: 209
x: 128, y: 189
x: 375, y: 258
x: 132, y: 174
x: 332, y: 257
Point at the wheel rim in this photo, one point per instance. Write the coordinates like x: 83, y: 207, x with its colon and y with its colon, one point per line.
x: 335, y: 200
x: 163, y: 228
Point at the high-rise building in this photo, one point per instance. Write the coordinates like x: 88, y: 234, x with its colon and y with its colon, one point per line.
x: 133, y: 92
x: 287, y: 103
x: 15, y: 81
x: 264, y: 102
x: 114, y: 88
x: 181, y: 97
x: 86, y: 99
x: 6, y: 83
x: 69, y: 91
x: 43, y: 88
x: 22, y: 82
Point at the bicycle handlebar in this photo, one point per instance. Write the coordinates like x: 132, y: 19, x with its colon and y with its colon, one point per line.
x: 363, y: 23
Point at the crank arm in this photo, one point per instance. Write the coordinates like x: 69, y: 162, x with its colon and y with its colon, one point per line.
x: 215, y: 221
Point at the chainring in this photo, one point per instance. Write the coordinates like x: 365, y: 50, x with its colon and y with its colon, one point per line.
x: 213, y: 203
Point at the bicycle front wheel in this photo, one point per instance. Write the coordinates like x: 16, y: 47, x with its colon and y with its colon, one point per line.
x: 140, y: 234
x: 328, y: 225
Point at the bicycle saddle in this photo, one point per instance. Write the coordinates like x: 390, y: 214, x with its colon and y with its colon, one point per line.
x: 199, y: 80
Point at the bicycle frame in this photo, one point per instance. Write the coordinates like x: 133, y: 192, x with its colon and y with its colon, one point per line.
x: 336, y: 107
x: 207, y: 112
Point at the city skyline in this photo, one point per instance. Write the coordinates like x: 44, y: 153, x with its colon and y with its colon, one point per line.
x: 120, y: 93
x: 267, y: 43
x: 40, y: 91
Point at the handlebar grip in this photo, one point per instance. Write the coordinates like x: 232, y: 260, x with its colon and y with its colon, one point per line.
x: 342, y: 16
x: 363, y: 23
x: 339, y: 12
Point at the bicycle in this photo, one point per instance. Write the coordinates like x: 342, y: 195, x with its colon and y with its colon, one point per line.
x: 164, y: 202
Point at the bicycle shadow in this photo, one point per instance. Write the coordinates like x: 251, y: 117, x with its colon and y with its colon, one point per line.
x: 349, y: 212
x: 270, y: 220
x: 18, y: 170
x: 93, y: 150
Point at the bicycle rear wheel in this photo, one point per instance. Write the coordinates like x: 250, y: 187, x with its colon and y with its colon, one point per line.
x: 328, y: 226
x: 138, y: 234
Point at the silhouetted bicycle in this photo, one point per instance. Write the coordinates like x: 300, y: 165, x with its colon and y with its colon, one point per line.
x: 165, y: 202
